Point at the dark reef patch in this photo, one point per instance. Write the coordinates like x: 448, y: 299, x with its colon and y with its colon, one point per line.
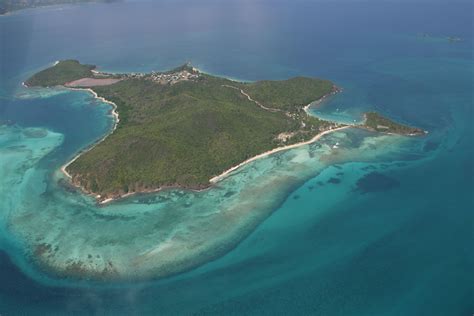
x: 7, y: 122
x: 334, y: 181
x: 430, y: 146
x: 376, y: 182
x: 67, y: 186
x: 111, y: 217
x: 35, y: 133
x: 18, y: 147
x: 369, y: 167
x: 229, y: 194
x: 150, y: 199
x: 42, y: 249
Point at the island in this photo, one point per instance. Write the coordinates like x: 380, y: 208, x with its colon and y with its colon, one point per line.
x: 187, y: 129
x: 376, y: 122
x: 450, y: 39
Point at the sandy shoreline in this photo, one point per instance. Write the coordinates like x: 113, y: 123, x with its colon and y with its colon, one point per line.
x: 224, y: 174
x: 276, y: 150
x: 267, y: 153
x: 335, y: 90
x: 176, y: 187
x: 116, y: 121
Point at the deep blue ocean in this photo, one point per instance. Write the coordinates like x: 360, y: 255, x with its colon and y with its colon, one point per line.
x: 356, y: 224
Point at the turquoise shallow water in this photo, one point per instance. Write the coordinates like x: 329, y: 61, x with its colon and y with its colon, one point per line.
x: 357, y: 223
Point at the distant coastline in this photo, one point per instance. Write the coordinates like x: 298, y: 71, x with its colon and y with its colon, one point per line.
x: 8, y: 7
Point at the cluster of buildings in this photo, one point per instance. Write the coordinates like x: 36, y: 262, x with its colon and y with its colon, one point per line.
x: 134, y: 75
x: 172, y: 78
x: 183, y: 73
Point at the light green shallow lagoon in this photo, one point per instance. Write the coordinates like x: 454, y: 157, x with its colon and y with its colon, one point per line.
x: 157, y: 235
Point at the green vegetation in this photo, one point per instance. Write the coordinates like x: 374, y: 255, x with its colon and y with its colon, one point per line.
x: 288, y: 94
x: 181, y: 128
x: 376, y: 122
x: 180, y: 135
x: 183, y: 134
x: 63, y: 72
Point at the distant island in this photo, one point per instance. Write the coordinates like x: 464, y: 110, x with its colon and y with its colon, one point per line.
x: 450, y: 39
x: 14, y: 5
x: 187, y: 129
